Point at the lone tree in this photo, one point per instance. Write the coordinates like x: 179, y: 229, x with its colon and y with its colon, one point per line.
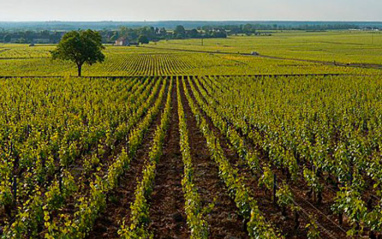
x: 143, y: 39
x: 80, y: 47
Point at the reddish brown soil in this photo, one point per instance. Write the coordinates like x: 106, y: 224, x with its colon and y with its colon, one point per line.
x: 167, y: 214
x: 119, y: 201
x: 223, y: 220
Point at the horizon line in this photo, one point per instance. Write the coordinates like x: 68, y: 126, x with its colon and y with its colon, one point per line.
x: 147, y: 21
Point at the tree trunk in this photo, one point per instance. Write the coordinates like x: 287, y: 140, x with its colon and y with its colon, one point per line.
x: 296, y: 221
x: 274, y: 189
x: 79, y: 69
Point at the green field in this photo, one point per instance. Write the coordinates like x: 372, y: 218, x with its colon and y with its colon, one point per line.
x: 341, y: 46
x: 178, y: 140
x: 162, y: 58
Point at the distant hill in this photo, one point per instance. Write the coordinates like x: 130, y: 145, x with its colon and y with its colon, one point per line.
x: 102, y: 25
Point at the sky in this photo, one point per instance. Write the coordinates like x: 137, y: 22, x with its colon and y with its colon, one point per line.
x: 156, y: 10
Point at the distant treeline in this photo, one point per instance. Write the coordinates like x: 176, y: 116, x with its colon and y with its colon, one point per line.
x: 31, y: 36
x: 253, y: 28
x: 144, y: 34
x: 171, y: 25
x: 141, y: 35
x: 156, y: 34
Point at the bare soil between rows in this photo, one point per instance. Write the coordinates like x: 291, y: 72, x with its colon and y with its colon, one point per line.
x: 223, y: 220
x: 270, y: 211
x: 322, y: 212
x: 118, y: 204
x: 167, y: 214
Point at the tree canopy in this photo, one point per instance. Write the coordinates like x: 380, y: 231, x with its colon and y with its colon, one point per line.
x: 143, y: 39
x: 80, y: 47
x: 179, y: 32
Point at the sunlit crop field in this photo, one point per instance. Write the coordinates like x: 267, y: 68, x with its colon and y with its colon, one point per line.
x: 327, y: 52
x: 179, y: 140
x: 341, y: 46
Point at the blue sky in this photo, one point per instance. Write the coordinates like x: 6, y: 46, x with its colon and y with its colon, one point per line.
x: 153, y: 10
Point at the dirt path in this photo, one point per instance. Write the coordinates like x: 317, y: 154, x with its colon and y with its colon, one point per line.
x: 223, y: 220
x: 118, y: 204
x: 167, y: 214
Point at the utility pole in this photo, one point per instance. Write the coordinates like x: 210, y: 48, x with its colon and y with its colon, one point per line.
x: 202, y: 41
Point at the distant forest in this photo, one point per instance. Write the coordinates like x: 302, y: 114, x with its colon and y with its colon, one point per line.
x: 51, y: 32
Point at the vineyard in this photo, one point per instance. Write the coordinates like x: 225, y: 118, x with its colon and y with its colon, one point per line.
x: 339, y: 46
x: 22, y: 60
x: 178, y: 140
x: 191, y: 157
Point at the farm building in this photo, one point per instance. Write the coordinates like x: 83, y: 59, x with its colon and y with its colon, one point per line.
x: 122, y: 42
